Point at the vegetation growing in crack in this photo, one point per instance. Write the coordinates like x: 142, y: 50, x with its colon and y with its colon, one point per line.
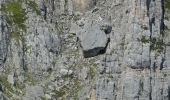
x: 6, y: 84
x: 29, y: 79
x: 43, y: 98
x: 91, y: 72
x: 141, y: 88
x: 166, y: 18
x: 167, y: 4
x: 110, y: 19
x: 75, y: 88
x: 166, y: 31
x: 123, y: 42
x: 155, y: 43
x: 167, y: 9
x: 144, y: 27
x: 16, y: 16
x: 70, y: 89
x: 143, y: 39
x: 61, y: 92
x: 10, y: 90
x: 33, y: 6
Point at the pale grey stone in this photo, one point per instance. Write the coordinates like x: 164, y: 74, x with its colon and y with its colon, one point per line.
x: 67, y: 38
x: 11, y: 79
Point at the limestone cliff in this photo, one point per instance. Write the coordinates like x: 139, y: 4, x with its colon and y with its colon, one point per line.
x: 85, y: 50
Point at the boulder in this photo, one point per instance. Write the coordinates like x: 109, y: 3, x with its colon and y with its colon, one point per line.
x: 93, y: 40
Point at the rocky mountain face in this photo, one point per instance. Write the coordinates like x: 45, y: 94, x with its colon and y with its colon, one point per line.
x: 85, y: 50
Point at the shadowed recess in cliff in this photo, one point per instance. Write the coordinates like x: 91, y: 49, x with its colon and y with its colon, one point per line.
x: 162, y: 26
x: 96, y: 51
x: 3, y: 42
x: 147, y: 5
x: 169, y: 93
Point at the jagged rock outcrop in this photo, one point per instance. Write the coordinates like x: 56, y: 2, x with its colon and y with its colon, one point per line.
x: 93, y: 39
x: 85, y: 49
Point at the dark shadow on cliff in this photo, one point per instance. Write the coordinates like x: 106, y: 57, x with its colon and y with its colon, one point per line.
x: 96, y: 51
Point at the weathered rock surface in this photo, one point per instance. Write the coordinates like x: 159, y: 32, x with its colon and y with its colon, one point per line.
x: 85, y: 50
x: 34, y: 92
x: 3, y: 41
x: 92, y: 39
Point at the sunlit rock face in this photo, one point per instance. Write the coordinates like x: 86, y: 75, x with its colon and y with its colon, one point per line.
x: 83, y: 5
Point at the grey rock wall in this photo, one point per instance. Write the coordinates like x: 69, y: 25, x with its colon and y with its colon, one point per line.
x: 85, y: 50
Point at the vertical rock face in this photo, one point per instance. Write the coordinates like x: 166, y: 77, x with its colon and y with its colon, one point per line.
x: 3, y: 43
x: 85, y: 49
